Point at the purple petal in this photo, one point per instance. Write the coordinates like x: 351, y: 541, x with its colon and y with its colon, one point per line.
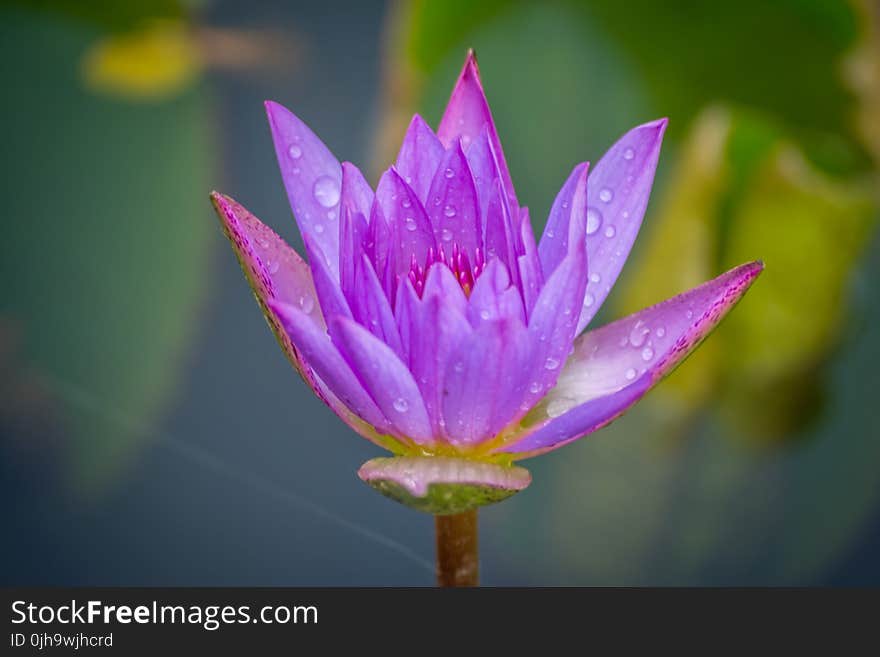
x: 323, y: 357
x: 529, y: 264
x: 329, y: 293
x: 440, y: 281
x: 411, y: 232
x: 407, y: 314
x: 493, y: 296
x: 484, y: 168
x: 499, y: 240
x: 477, y: 402
x: 420, y: 155
x: 355, y: 204
x: 439, y: 327
x: 617, y: 195
x: 385, y: 378
x: 572, y: 198
x: 452, y: 203
x: 276, y: 273
x: 613, y: 366
x: 553, y: 320
x: 378, y: 248
x: 313, y: 179
x: 466, y: 114
x: 371, y: 308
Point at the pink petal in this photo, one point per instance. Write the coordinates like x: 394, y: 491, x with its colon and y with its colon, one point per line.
x: 466, y: 114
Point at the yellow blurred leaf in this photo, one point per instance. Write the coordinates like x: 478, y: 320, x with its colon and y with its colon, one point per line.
x: 152, y: 63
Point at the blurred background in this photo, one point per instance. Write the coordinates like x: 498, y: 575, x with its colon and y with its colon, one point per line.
x: 151, y: 431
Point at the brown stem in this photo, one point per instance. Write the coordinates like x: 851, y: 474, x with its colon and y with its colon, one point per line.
x: 457, y: 549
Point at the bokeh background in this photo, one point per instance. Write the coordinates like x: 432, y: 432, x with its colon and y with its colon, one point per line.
x: 152, y: 433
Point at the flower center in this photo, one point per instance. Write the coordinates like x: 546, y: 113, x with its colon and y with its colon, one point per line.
x: 465, y: 269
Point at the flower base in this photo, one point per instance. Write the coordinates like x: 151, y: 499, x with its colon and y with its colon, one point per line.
x: 443, y: 485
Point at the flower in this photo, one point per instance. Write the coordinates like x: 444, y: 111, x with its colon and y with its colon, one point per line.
x: 432, y: 323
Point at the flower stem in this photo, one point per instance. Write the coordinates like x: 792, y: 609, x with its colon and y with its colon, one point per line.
x: 457, y: 549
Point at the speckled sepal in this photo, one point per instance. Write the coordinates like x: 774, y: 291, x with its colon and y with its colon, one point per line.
x: 443, y: 485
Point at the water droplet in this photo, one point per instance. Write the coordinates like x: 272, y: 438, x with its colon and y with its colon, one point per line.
x: 272, y: 266
x: 610, y: 232
x: 689, y: 314
x: 295, y: 171
x: 589, y: 300
x: 319, y: 228
x: 326, y: 191
x: 459, y: 366
x: 567, y: 311
x: 449, y: 211
x: 629, y: 154
x: 331, y: 214
x: 449, y: 173
x: 485, y: 314
x: 605, y: 195
x: 595, y: 278
x: 295, y: 152
x: 307, y: 304
x: 400, y: 405
x: 594, y: 220
x: 660, y: 332
x: 630, y: 374
x: 647, y: 353
x: 565, y: 205
x: 551, y: 364
x: 410, y: 224
x: 535, y: 387
x: 638, y: 334
x: 446, y: 234
x: 406, y: 202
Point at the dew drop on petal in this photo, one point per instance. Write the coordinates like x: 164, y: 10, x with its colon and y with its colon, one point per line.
x: 401, y: 405
x: 660, y: 332
x: 589, y: 300
x: 458, y: 367
x: 446, y: 235
x: 331, y: 214
x: 595, y: 278
x: 535, y: 387
x: 326, y: 191
x: 449, y: 211
x: 630, y: 374
x: 307, y: 304
x: 406, y: 202
x: 551, y: 364
x: 295, y: 152
x: 610, y: 232
x: 272, y: 266
x: 638, y: 334
x: 605, y: 195
x: 629, y: 154
x: 689, y: 314
x: 647, y: 353
x: 295, y: 171
x: 319, y: 228
x: 449, y: 173
x: 485, y: 314
x: 594, y: 220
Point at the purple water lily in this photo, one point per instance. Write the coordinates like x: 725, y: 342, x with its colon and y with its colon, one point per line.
x: 432, y: 323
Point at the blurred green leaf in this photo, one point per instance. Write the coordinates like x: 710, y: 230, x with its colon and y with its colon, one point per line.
x: 107, y: 240
x: 742, y: 191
